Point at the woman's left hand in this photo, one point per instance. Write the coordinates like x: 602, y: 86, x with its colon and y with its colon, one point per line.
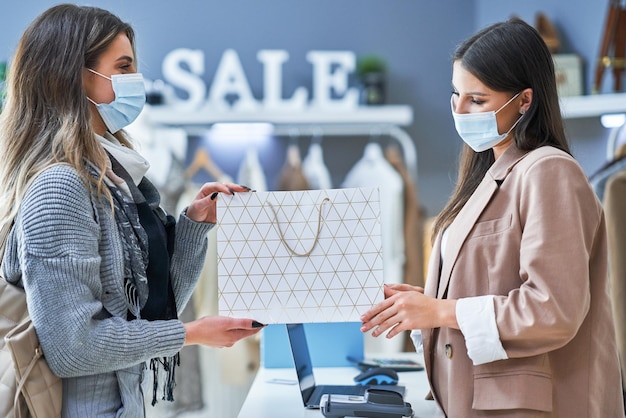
x: 203, y: 207
x: 407, y: 308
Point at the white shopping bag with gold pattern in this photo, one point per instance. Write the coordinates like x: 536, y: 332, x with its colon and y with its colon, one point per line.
x: 303, y: 256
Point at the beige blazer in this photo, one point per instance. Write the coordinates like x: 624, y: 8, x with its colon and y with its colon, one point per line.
x: 533, y: 235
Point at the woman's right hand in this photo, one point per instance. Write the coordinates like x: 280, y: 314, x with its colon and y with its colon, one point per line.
x: 219, y: 331
x: 406, y: 308
x: 203, y: 207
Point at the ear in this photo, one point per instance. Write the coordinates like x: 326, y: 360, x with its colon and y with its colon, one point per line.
x: 526, y: 97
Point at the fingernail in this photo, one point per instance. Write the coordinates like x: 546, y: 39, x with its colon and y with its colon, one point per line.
x: 246, y: 187
x: 256, y: 324
x: 231, y: 191
x: 213, y: 196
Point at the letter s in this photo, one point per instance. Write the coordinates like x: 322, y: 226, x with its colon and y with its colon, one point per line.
x: 189, y: 81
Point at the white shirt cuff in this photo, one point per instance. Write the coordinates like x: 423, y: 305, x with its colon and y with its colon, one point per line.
x: 477, y: 320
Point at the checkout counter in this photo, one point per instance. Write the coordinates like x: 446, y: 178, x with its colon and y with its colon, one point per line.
x: 275, y: 392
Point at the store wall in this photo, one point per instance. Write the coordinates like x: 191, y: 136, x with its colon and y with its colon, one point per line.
x: 415, y: 37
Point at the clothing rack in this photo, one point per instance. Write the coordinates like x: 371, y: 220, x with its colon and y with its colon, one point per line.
x: 365, y: 121
x: 409, y: 151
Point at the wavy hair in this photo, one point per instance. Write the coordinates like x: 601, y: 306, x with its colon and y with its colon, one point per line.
x: 507, y: 57
x: 46, y: 119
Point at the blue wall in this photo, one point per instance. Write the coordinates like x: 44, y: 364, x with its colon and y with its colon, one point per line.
x: 416, y: 37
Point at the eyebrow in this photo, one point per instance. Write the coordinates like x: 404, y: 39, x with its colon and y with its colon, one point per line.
x: 125, y: 58
x: 472, y: 93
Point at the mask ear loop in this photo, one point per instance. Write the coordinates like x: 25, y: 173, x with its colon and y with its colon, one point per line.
x: 506, y: 104
x: 522, y: 112
x: 101, y: 75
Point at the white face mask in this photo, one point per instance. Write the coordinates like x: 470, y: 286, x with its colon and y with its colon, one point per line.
x: 480, y: 130
x: 130, y: 96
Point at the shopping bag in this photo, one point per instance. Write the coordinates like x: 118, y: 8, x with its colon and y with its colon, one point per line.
x: 302, y: 256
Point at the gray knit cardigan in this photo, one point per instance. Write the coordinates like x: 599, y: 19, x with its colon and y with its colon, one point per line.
x: 65, y: 250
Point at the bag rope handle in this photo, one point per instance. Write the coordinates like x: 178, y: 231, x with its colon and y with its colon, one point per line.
x: 282, y: 235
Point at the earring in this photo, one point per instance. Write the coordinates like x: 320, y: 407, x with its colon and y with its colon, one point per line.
x: 522, y: 111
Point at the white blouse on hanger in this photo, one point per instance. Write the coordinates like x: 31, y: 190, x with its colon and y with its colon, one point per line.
x: 373, y: 170
x: 251, y: 173
x: 314, y: 169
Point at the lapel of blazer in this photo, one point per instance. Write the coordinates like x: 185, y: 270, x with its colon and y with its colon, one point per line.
x: 434, y: 265
x: 460, y: 228
x: 430, y: 289
x: 465, y: 220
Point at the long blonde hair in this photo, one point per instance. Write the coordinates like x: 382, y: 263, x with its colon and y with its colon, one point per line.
x: 46, y: 118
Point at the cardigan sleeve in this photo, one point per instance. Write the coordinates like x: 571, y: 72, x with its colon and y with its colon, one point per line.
x: 58, y: 251
x: 189, y: 256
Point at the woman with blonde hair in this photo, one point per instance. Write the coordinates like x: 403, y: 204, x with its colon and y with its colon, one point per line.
x: 105, y: 270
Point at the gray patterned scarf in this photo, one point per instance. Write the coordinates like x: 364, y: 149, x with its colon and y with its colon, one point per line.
x: 143, y: 225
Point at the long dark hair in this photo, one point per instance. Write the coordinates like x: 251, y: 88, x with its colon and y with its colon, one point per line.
x: 507, y: 57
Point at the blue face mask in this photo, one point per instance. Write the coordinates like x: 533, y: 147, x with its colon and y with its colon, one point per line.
x: 130, y: 96
x: 480, y: 130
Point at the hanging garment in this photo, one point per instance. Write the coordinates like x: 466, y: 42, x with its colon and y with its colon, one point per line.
x: 291, y: 177
x: 413, y: 231
x: 174, y: 186
x: 599, y: 179
x: 251, y: 173
x: 314, y: 169
x: 373, y: 170
x: 615, y: 212
x: 413, y: 228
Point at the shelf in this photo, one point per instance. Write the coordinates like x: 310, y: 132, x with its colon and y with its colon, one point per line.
x: 398, y: 115
x: 593, y: 105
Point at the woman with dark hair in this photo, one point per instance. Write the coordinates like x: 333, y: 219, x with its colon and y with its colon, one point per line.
x: 105, y: 270
x: 515, y: 318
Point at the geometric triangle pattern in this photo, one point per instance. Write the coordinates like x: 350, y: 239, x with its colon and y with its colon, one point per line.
x: 300, y: 256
